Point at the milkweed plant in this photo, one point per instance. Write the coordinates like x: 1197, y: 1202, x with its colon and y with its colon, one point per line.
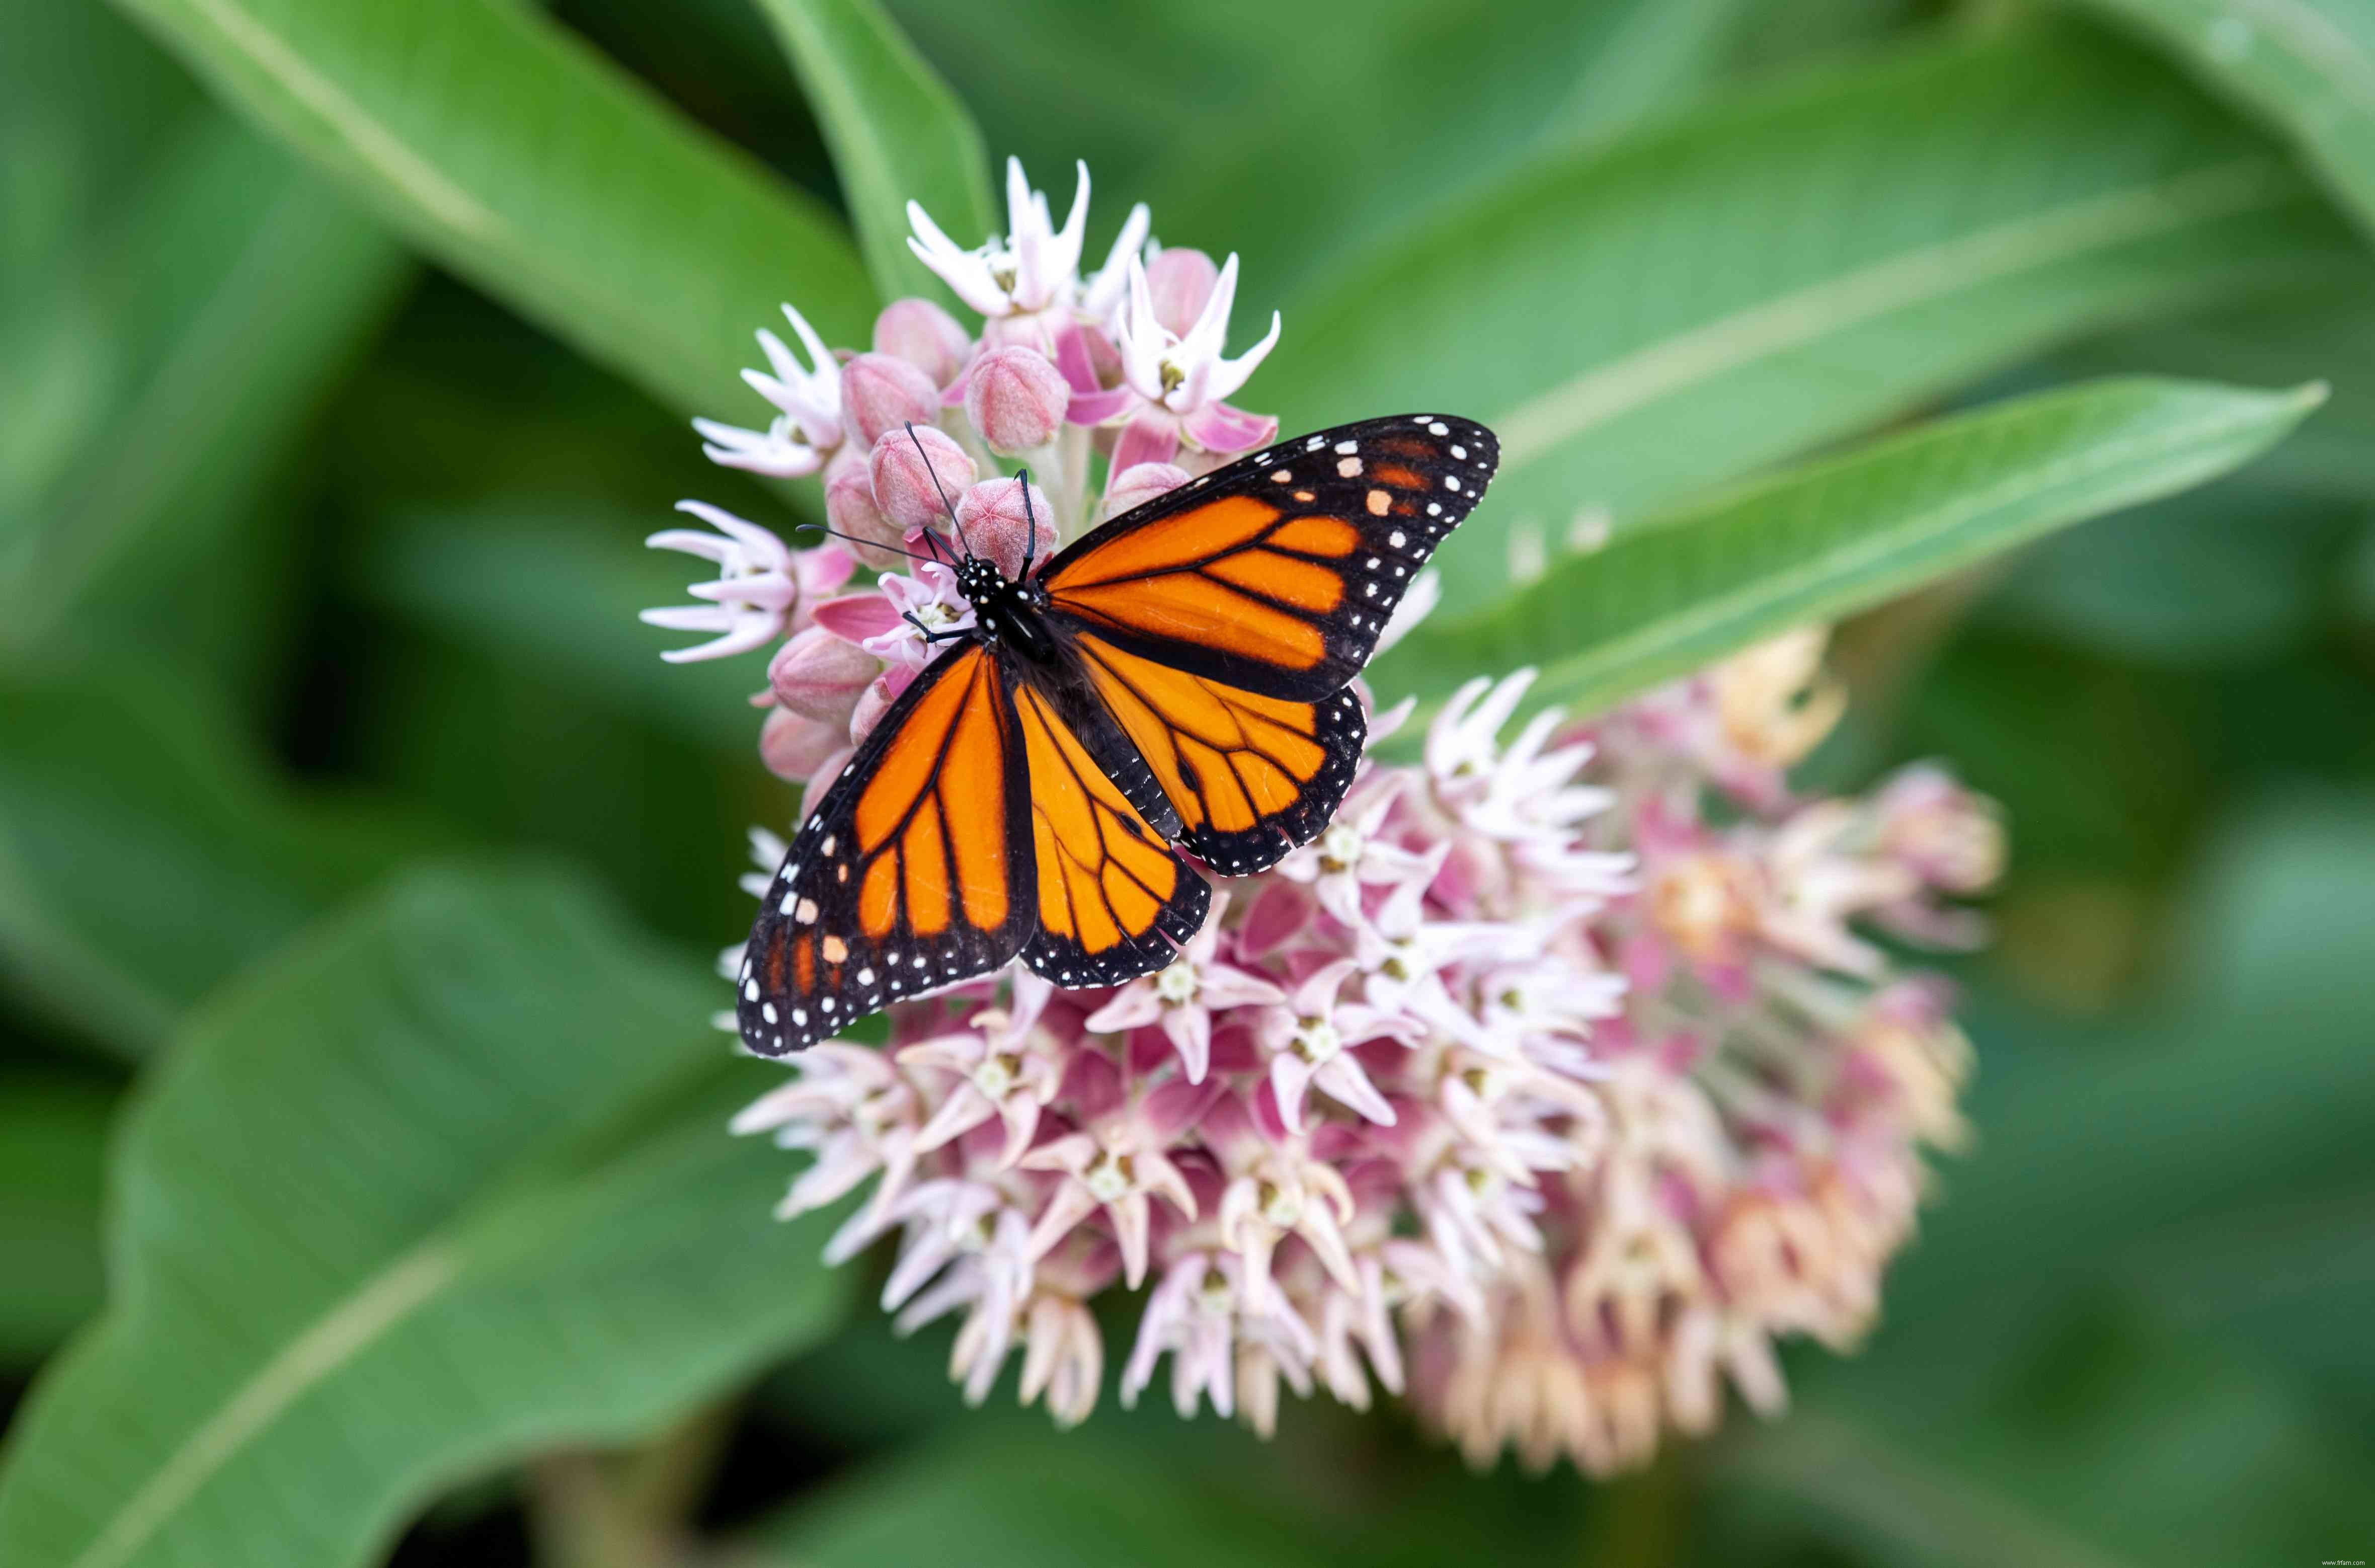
x: 1564, y: 1076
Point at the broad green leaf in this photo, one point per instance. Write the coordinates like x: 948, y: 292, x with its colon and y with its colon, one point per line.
x: 237, y: 288
x: 461, y: 573
x: 447, y: 1182
x: 2325, y: 333
x: 1832, y: 537
x: 519, y: 698
x: 2093, y: 1439
x: 1653, y: 56
x: 84, y: 103
x: 514, y: 154
x: 1144, y: 1488
x: 52, y: 1155
x: 1018, y: 1496
x: 897, y: 134
x: 1900, y: 1507
x: 145, y: 854
x: 1704, y: 295
x: 1053, y: 80
x: 2307, y: 66
x: 1407, y: 115
x: 2218, y: 576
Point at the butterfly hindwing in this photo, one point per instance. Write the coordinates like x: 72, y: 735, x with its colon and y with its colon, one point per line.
x: 1275, y: 574
x: 1248, y: 776
x: 914, y: 872
x: 1113, y: 899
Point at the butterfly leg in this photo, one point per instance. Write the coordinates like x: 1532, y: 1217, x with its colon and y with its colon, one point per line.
x: 930, y: 635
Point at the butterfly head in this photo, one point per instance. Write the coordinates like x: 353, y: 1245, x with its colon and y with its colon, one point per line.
x: 1006, y: 610
x: 979, y: 580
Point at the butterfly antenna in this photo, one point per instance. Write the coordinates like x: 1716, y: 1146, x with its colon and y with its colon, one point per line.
x: 945, y: 505
x: 1031, y: 521
x: 869, y: 544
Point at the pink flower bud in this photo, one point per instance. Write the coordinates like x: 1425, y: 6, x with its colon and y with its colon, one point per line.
x: 996, y: 524
x: 827, y: 773
x: 876, y: 701
x: 880, y: 393
x: 1180, y: 282
x: 906, y: 470
x: 1140, y: 483
x: 794, y: 745
x: 818, y: 675
x: 849, y: 507
x: 1016, y: 398
x: 925, y: 336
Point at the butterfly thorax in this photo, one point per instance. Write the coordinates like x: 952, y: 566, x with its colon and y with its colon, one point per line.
x: 1006, y: 610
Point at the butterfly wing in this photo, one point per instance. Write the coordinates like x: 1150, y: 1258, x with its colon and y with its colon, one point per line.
x: 1113, y: 898
x: 1276, y: 573
x: 1248, y: 776
x: 916, y: 871
x: 1220, y: 623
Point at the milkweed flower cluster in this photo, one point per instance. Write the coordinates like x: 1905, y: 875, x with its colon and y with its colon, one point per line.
x: 1558, y: 1079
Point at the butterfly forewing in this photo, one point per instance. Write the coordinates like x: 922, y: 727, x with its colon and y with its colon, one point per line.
x: 1221, y: 623
x: 1276, y: 573
x: 916, y: 872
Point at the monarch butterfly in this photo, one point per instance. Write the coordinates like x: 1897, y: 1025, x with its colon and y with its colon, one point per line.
x: 1177, y: 677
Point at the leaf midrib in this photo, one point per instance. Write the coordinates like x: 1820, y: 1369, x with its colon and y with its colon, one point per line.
x: 333, y: 1339
x: 358, y: 1318
x: 2319, y: 45
x: 1541, y: 424
x: 1859, y: 553
x: 369, y: 140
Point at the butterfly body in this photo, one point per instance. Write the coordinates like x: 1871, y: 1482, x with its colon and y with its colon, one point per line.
x: 1008, y: 611
x: 1175, y: 680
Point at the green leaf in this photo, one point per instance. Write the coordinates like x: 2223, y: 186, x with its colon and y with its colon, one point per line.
x: 897, y: 135
x: 2306, y: 66
x: 145, y: 854
x: 239, y: 287
x: 1406, y: 115
x: 2277, y: 341
x: 2224, y: 575
x: 87, y: 101
x: 1787, y: 266
x: 511, y: 152
x: 1838, y: 535
x: 446, y: 1183
x: 1019, y: 1494
x: 52, y: 1154
x: 460, y: 572
x: 1652, y: 55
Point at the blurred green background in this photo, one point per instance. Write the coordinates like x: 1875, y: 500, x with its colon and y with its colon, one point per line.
x: 317, y: 563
